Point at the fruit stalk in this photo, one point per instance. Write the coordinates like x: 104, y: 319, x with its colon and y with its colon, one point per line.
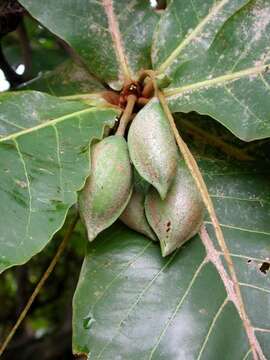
x: 131, y: 100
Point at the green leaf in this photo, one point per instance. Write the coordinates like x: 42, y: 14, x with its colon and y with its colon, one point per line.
x: 187, y: 30
x: 113, y: 37
x: 43, y: 59
x: 67, y: 79
x: 44, y: 152
x: 133, y: 304
x: 231, y: 81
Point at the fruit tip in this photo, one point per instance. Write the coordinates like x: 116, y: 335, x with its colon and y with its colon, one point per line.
x: 162, y: 190
x: 165, y: 250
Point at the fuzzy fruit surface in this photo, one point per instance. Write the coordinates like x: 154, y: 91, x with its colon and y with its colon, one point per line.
x: 179, y: 217
x: 108, y: 188
x: 152, y: 147
x: 134, y: 215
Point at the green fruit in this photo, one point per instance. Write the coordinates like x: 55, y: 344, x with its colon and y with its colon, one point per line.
x: 108, y: 188
x: 134, y: 215
x: 152, y: 147
x: 179, y: 217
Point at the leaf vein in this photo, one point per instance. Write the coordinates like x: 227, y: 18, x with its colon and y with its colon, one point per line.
x: 50, y: 123
x: 255, y: 287
x: 229, y: 91
x: 246, y: 355
x: 138, y: 300
x: 244, y: 257
x: 192, y: 35
x: 116, y: 37
x: 28, y: 189
x: 59, y: 161
x: 215, y: 318
x: 239, y: 199
x: 127, y: 266
x: 240, y: 229
x: 262, y: 330
x: 197, y: 272
x: 219, y: 81
x: 265, y: 82
x: 11, y: 123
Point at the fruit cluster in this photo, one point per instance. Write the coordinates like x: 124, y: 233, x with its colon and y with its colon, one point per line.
x: 171, y: 210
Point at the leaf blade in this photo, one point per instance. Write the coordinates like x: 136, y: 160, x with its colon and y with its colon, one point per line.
x: 191, y: 30
x: 66, y: 79
x: 230, y: 82
x: 122, y: 284
x: 43, y: 166
x: 124, y: 30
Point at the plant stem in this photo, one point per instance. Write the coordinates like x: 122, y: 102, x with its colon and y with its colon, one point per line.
x: 126, y: 116
x: 40, y: 284
x: 142, y: 101
x: 148, y: 89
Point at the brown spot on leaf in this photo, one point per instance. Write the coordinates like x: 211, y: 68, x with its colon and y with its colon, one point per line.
x: 265, y: 267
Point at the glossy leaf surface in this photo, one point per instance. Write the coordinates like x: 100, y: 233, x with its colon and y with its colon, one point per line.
x: 187, y: 30
x: 227, y: 75
x: 66, y: 79
x: 113, y: 37
x: 44, y: 151
x: 131, y: 302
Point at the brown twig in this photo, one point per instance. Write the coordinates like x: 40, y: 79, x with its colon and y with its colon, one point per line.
x: 142, y: 101
x: 148, y: 89
x: 40, y: 284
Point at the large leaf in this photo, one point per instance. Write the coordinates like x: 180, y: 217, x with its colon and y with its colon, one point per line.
x: 113, y: 37
x: 131, y: 303
x: 66, y: 79
x: 44, y: 152
x: 187, y: 30
x: 231, y: 81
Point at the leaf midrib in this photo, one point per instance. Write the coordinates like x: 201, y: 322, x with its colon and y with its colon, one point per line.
x: 116, y: 37
x: 217, y: 81
x: 51, y: 123
x: 170, y: 59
